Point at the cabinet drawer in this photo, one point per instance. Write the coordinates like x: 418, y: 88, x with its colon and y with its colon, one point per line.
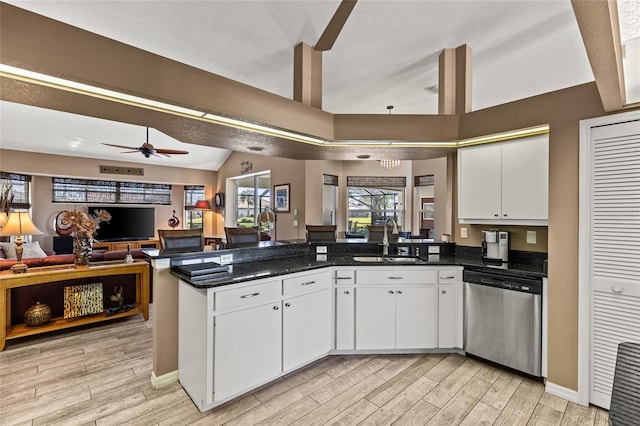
x: 447, y: 276
x: 246, y: 296
x: 306, y: 283
x: 395, y: 276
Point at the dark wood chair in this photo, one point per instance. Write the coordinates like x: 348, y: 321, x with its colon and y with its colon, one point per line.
x: 181, y: 239
x: 320, y: 233
x: 375, y: 233
x: 242, y: 236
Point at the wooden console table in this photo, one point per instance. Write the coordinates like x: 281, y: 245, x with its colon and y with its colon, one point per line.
x: 55, y: 274
x: 122, y: 245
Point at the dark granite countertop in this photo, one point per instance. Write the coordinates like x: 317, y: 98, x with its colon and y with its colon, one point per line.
x: 252, y: 270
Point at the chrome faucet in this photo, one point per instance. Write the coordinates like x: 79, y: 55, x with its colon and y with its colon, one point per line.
x: 385, y: 238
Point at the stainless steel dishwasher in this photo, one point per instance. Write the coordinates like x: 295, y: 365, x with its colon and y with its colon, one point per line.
x: 502, y: 318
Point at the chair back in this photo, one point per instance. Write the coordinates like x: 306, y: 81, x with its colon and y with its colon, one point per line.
x: 239, y: 236
x: 181, y: 239
x: 625, y: 394
x: 375, y: 233
x: 319, y: 233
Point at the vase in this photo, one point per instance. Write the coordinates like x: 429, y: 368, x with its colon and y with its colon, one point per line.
x: 37, y: 314
x: 82, y: 249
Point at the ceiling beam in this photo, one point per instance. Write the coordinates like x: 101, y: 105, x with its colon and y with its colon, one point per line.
x: 454, y: 80
x: 335, y: 25
x: 598, y: 23
x: 307, y: 75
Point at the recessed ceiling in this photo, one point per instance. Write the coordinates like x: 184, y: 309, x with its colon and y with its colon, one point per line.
x: 386, y: 54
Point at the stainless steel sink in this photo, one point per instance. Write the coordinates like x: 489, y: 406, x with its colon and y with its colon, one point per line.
x: 387, y: 259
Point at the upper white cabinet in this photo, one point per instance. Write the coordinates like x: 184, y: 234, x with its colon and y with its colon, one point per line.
x: 505, y: 182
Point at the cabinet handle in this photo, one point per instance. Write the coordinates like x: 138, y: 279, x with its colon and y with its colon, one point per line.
x: 246, y: 296
x: 395, y: 278
x: 617, y: 288
x: 505, y: 215
x: 287, y: 304
x: 308, y: 283
x: 276, y: 308
x: 391, y: 292
x: 343, y: 278
x: 399, y: 291
x: 346, y: 292
x: 444, y: 291
x: 448, y: 277
x: 496, y: 215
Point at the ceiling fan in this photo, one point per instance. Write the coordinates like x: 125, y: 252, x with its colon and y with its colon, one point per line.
x: 148, y: 150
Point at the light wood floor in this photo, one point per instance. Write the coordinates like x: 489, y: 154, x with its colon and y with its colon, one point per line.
x: 100, y: 375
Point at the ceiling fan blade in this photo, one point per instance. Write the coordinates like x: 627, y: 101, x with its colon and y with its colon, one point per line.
x: 331, y: 32
x: 170, y: 151
x: 133, y: 148
x: 161, y: 154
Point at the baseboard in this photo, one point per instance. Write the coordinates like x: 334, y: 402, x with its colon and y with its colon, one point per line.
x: 164, y: 380
x: 562, y: 392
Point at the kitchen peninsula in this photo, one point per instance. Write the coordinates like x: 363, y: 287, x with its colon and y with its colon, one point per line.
x: 265, y: 284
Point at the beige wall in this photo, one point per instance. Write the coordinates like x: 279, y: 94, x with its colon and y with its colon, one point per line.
x: 45, y: 166
x: 438, y: 168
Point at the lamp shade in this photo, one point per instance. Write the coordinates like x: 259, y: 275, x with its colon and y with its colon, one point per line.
x: 18, y: 224
x: 202, y: 205
x: 266, y: 216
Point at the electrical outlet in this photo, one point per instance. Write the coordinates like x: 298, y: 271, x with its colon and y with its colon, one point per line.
x: 321, y: 249
x: 295, y: 223
x: 531, y: 237
x: 463, y: 233
x: 225, y: 259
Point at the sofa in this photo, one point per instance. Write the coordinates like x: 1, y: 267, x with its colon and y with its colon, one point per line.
x: 52, y: 259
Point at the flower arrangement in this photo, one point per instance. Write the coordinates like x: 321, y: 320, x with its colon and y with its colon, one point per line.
x: 84, y: 225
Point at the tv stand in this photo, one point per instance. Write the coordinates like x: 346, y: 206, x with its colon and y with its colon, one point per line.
x: 122, y: 245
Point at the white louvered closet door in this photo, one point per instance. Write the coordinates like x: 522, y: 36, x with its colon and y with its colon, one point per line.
x: 615, y: 239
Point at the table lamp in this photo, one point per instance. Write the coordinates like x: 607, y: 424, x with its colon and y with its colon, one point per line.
x: 19, y: 224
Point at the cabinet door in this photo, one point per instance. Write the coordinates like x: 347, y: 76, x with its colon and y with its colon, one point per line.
x: 479, y: 182
x: 375, y: 318
x: 525, y: 178
x: 345, y: 318
x: 416, y: 317
x: 306, y: 328
x: 447, y: 316
x: 247, y: 349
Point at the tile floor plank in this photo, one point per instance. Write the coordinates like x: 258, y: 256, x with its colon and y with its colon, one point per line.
x: 100, y: 375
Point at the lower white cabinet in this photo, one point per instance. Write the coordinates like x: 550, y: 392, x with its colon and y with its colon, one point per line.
x: 247, y: 349
x: 450, y: 308
x: 395, y: 317
x: 306, y: 328
x: 344, y: 318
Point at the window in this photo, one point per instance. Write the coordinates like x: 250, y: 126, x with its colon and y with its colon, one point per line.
x: 67, y: 190
x: 20, y: 186
x: 193, y: 218
x: 371, y: 203
x: 253, y: 195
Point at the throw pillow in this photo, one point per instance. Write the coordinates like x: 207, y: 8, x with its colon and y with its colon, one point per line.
x: 29, y: 250
x: 9, y: 250
x: 32, y: 250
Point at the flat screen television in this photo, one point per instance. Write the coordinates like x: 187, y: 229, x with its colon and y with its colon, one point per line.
x: 127, y: 223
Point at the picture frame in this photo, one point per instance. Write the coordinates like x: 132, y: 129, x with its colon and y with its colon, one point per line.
x: 281, y: 197
x: 427, y: 211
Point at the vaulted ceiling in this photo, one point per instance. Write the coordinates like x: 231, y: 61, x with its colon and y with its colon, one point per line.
x: 386, y: 54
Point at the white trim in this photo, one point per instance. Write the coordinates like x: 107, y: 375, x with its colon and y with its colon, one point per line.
x: 584, y: 249
x: 158, y: 382
x: 562, y: 392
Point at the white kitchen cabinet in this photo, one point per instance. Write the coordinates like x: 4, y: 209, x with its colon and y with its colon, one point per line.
x: 345, y: 318
x: 375, y: 318
x: 450, y: 313
x: 504, y: 182
x: 396, y: 308
x: 306, y: 328
x: 247, y: 349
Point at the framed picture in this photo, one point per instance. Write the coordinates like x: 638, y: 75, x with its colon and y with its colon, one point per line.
x: 427, y: 211
x: 281, y: 197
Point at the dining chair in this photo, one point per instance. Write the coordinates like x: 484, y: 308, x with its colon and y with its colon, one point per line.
x: 320, y: 233
x: 240, y: 236
x: 181, y: 239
